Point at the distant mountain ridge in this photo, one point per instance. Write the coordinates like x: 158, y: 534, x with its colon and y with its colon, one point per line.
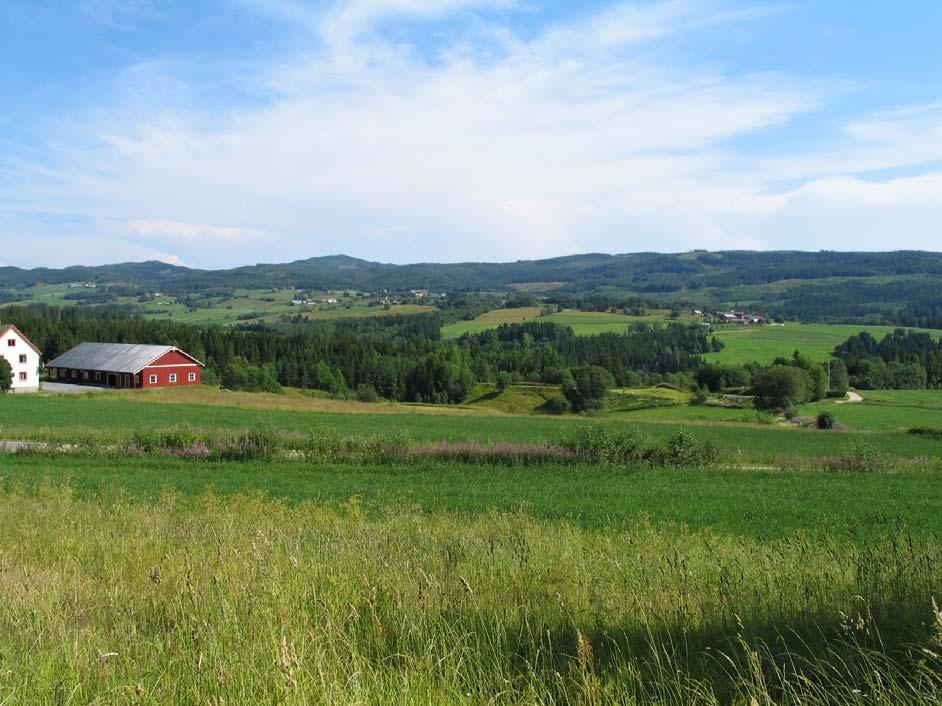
x: 638, y: 272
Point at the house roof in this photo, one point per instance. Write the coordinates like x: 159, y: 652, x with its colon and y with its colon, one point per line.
x: 113, y: 357
x: 11, y: 327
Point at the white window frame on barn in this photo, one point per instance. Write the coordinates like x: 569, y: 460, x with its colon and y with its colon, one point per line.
x: 153, y: 379
x: 173, y: 377
x: 191, y: 377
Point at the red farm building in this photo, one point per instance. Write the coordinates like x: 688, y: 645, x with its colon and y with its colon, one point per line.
x: 126, y: 365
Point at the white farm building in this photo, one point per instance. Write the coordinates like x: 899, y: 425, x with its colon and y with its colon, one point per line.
x: 23, y: 356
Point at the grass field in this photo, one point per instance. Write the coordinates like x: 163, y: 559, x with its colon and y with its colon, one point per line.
x: 483, y: 419
x: 747, y: 344
x: 138, y: 578
x: 125, y: 581
x: 584, y: 323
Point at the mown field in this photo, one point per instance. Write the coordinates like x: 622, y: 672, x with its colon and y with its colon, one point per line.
x: 584, y: 323
x: 762, y: 344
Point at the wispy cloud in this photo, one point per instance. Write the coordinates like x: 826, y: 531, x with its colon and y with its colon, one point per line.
x: 484, y: 142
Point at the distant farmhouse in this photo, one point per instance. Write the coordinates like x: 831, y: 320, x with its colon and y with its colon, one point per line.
x: 23, y: 356
x: 126, y: 365
x: 738, y: 317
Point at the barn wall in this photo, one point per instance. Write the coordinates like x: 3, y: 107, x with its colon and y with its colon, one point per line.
x: 164, y: 371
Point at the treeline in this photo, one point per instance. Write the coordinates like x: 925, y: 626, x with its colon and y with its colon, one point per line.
x: 902, y: 360
x: 397, y: 357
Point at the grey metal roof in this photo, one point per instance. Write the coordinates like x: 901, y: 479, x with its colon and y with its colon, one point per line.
x: 110, y: 357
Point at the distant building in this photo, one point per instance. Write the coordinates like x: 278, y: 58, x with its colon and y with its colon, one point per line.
x: 23, y: 356
x: 126, y: 365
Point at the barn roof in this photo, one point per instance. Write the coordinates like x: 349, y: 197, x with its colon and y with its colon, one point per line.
x: 113, y: 357
x: 11, y: 327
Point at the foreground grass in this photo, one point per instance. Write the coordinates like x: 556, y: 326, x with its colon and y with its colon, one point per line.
x: 239, y: 600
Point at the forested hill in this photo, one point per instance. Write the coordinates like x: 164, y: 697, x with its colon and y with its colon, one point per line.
x: 647, y: 273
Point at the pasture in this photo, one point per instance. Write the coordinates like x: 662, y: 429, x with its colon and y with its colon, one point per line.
x: 762, y: 344
x: 583, y: 323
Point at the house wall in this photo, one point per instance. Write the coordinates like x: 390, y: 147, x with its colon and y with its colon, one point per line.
x: 12, y: 355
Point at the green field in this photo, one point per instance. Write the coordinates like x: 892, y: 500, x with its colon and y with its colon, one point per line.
x: 584, y: 323
x: 483, y: 419
x: 140, y: 577
x: 239, y: 305
x: 762, y: 344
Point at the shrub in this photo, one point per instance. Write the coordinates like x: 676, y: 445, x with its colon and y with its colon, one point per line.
x: 6, y: 375
x: 504, y: 380
x: 586, y: 387
x: 365, y: 392
x: 701, y: 395
x: 616, y: 444
x: 825, y: 420
x: 684, y: 449
x: 861, y: 454
x: 782, y: 386
x: 557, y: 404
x: 930, y: 432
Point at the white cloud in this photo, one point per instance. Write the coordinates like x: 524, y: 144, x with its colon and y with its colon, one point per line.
x: 498, y: 147
x: 175, y: 230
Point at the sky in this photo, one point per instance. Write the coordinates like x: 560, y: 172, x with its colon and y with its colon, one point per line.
x: 216, y: 133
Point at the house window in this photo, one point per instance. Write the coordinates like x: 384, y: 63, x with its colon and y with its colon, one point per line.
x: 11, y: 342
x: 153, y: 379
x: 191, y: 377
x: 23, y: 377
x: 173, y: 377
x: 85, y: 375
x: 22, y: 358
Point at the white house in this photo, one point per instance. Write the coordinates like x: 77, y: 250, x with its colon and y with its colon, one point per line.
x: 23, y: 356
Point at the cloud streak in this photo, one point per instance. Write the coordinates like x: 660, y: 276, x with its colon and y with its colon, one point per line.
x: 484, y: 144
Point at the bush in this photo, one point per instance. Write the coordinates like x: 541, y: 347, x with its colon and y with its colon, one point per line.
x: 861, y: 455
x: 557, y: 404
x: 782, y: 386
x: 586, y: 387
x: 825, y: 420
x: 701, y: 395
x: 504, y: 380
x: 685, y: 450
x: 365, y: 392
x: 615, y: 444
x: 929, y: 432
x: 6, y: 375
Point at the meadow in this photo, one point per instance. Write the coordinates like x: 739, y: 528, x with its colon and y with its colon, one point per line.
x: 584, y: 323
x: 741, y: 432
x: 166, y: 581
x: 141, y: 577
x: 762, y: 344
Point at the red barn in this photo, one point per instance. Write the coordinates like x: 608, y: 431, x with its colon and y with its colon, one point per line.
x: 126, y: 365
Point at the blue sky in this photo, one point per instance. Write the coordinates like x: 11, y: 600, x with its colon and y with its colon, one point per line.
x: 238, y: 131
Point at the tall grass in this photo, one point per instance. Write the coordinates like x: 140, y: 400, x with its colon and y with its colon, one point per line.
x: 244, y: 600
